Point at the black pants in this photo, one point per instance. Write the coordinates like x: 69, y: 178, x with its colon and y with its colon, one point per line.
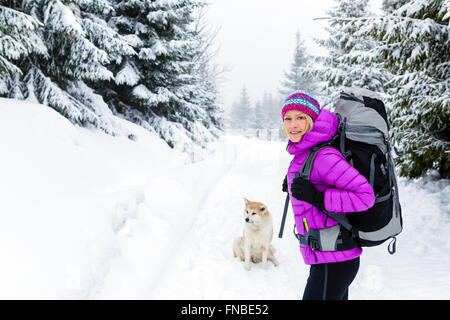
x: 330, y: 281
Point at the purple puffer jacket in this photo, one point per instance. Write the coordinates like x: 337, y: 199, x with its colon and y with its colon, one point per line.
x: 346, y: 190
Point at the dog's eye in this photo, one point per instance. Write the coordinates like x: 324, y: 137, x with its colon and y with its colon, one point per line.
x: 253, y: 213
x: 262, y: 209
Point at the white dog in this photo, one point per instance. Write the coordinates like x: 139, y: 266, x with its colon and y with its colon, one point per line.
x: 255, y: 245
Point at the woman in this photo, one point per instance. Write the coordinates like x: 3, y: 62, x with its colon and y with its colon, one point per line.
x: 334, y: 186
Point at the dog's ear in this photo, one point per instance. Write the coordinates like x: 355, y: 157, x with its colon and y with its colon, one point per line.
x: 246, y: 201
x: 264, y: 210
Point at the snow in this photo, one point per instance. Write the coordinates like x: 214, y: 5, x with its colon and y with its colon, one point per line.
x: 58, y: 11
x: 142, y: 92
x: 89, y: 216
x: 127, y: 75
x: 147, y: 54
x: 159, y: 48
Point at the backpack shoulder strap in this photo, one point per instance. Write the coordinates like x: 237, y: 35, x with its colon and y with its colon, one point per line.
x: 306, y: 168
x: 305, y: 172
x: 283, y: 218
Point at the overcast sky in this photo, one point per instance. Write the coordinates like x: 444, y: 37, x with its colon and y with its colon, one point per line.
x: 257, y: 40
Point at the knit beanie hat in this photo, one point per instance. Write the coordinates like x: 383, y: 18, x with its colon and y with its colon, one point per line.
x: 302, y: 101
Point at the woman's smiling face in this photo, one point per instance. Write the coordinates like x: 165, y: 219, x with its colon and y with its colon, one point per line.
x: 295, y: 124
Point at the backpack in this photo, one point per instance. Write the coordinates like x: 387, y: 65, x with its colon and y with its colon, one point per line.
x: 363, y: 139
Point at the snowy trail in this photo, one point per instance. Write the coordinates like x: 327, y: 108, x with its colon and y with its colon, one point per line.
x: 178, y: 245
x: 204, y: 268
x: 174, y: 233
x: 100, y: 217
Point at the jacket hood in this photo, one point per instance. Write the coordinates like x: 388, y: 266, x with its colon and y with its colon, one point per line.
x: 324, y: 128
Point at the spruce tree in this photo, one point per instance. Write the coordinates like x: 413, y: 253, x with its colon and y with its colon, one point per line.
x: 241, y: 116
x: 271, y: 109
x: 416, y: 50
x: 164, y: 86
x: 207, y: 72
x: 78, y: 46
x: 233, y: 116
x: 267, y: 109
x: 389, y: 6
x: 298, y: 76
x: 349, y: 63
x: 259, y: 117
x: 18, y: 39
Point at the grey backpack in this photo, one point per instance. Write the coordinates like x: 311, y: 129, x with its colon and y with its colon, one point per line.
x: 363, y: 139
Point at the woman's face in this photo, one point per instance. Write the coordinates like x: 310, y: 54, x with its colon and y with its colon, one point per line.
x: 295, y: 125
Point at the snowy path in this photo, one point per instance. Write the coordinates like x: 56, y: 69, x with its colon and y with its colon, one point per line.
x: 173, y: 255
x: 100, y: 217
x: 203, y: 266
x: 179, y: 243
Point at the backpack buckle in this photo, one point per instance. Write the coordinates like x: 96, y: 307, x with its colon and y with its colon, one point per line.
x: 313, y: 243
x: 308, y: 239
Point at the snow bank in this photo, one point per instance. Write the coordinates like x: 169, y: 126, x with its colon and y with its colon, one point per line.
x: 66, y: 194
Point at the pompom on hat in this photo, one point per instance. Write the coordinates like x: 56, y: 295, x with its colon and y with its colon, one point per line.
x: 303, y: 101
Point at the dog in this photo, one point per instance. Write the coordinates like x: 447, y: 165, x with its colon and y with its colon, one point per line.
x: 255, y: 245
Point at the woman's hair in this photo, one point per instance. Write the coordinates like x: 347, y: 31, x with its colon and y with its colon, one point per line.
x: 310, y: 122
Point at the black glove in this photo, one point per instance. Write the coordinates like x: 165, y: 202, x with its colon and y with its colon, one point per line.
x: 285, y: 185
x: 302, y: 189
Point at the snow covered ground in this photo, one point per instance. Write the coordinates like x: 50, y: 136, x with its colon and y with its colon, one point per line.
x: 88, y: 216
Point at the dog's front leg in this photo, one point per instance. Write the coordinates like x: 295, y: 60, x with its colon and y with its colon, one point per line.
x: 246, y: 254
x: 265, y: 249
